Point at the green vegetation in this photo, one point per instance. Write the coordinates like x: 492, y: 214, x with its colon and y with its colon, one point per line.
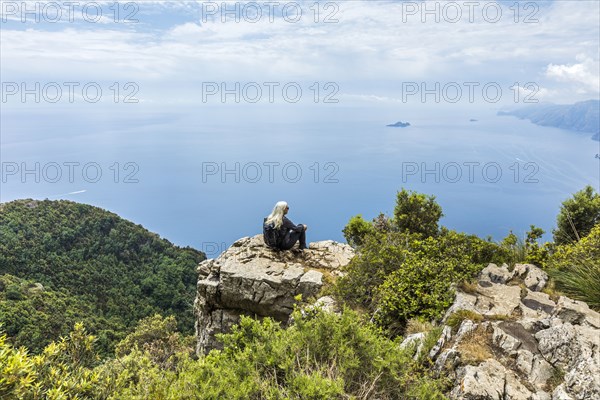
x: 416, y: 212
x: 575, y: 268
x: 577, y: 216
x: 94, y: 266
x: 320, y: 356
x: 406, y: 266
x: 456, y: 318
x: 65, y: 266
x: 528, y: 250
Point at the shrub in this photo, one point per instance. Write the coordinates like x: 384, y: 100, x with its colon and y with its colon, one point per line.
x: 577, y: 216
x: 356, y: 231
x: 158, y: 337
x: 399, y: 275
x: 416, y: 213
x: 421, y: 287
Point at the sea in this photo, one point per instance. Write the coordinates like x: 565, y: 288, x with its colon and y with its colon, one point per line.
x: 206, y: 176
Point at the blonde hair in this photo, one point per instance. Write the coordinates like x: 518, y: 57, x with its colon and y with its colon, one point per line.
x: 276, y: 216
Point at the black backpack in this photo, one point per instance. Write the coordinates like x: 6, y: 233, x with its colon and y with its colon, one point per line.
x: 271, y: 234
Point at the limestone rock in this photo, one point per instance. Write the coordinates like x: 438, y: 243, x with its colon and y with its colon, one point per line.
x: 327, y: 304
x: 534, y: 278
x: 444, y: 337
x: 537, y: 305
x: 536, y: 341
x: 566, y: 345
x: 252, y: 279
x: 541, y: 395
x: 495, y: 274
x: 495, y: 299
x: 583, y: 381
x: 490, y: 380
x: 498, y: 300
x: 576, y: 312
x: 416, y: 341
x: 560, y: 393
x: 534, y: 367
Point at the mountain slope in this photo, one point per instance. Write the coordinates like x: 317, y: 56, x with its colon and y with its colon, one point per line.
x: 116, y: 270
x: 579, y: 117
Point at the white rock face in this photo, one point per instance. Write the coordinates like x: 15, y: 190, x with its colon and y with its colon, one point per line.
x: 249, y: 278
x: 490, y: 380
x: 542, y: 349
x: 535, y: 279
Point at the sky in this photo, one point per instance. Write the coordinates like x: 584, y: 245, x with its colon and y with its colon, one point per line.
x: 369, y: 49
x: 124, y: 81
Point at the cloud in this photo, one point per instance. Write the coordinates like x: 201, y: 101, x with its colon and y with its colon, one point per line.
x: 585, y: 74
x: 374, y: 45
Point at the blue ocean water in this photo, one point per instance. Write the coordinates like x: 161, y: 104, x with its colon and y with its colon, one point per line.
x: 205, y: 177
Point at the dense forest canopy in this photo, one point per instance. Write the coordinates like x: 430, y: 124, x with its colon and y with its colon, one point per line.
x: 92, y: 266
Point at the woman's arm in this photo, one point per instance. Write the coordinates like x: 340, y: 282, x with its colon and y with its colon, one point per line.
x: 287, y: 224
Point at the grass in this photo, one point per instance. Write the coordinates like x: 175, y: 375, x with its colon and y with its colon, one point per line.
x: 550, y: 290
x: 469, y: 287
x: 430, y: 340
x: 580, y: 281
x: 456, y: 318
x: 416, y: 325
x: 475, y: 346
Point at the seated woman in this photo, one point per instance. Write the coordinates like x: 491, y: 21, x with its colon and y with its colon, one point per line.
x: 286, y: 233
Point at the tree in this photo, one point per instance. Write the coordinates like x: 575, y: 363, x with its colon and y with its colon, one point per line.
x: 356, y: 230
x: 577, y: 216
x: 534, y: 253
x: 417, y: 213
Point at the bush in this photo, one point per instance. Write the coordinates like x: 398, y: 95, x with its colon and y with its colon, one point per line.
x: 421, y: 287
x: 319, y: 356
x: 357, y: 230
x: 416, y: 213
x: 159, y: 339
x: 398, y: 276
x: 577, y: 216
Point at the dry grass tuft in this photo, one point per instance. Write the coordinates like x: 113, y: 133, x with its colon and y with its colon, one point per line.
x: 415, y: 325
x: 475, y: 346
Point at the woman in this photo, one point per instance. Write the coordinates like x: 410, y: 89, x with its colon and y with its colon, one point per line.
x: 289, y: 233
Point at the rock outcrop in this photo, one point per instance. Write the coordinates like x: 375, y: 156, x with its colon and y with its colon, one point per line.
x: 251, y: 279
x: 513, y: 341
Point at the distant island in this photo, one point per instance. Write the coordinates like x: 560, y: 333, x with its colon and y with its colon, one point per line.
x: 582, y: 117
x: 399, y: 124
x: 472, y: 120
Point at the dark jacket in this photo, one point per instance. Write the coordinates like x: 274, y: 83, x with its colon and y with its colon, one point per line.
x: 289, y: 234
x: 288, y: 225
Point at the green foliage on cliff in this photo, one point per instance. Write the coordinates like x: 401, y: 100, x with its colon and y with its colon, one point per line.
x: 94, y: 266
x: 398, y: 276
x: 576, y: 268
x: 320, y: 356
x: 406, y: 265
x: 577, y: 216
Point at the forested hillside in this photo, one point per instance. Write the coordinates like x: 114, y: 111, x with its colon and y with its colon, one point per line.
x: 88, y: 282
x: 93, y: 266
